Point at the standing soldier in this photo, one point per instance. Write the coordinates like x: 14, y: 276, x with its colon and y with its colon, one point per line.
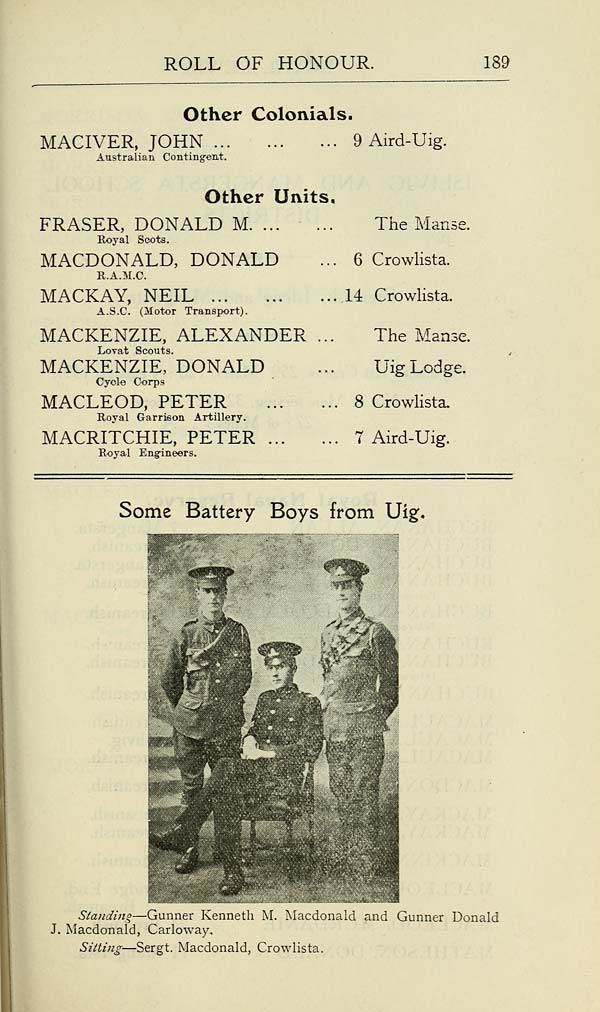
x: 206, y: 676
x: 360, y: 669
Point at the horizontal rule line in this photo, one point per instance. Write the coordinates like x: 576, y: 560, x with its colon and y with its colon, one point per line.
x: 418, y: 476
x: 171, y: 84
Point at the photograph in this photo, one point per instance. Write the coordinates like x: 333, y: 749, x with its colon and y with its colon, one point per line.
x: 273, y: 732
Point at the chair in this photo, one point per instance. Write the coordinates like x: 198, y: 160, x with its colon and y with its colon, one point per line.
x: 303, y: 805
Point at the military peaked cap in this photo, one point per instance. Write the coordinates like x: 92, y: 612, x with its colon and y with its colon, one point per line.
x: 279, y: 648
x: 341, y: 570
x: 210, y: 576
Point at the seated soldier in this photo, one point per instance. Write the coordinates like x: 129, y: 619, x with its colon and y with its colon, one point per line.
x: 286, y: 731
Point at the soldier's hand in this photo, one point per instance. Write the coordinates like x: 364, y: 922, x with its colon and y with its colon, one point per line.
x: 250, y: 748
x: 264, y: 754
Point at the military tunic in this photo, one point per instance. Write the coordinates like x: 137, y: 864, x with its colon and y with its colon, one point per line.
x: 290, y: 724
x: 360, y: 670
x: 206, y: 676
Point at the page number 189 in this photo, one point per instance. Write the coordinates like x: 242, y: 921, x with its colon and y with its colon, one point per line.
x: 496, y: 62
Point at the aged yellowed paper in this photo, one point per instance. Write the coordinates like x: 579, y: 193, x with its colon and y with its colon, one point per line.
x: 300, y: 533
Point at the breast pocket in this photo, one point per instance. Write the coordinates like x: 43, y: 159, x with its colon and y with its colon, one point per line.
x: 196, y: 660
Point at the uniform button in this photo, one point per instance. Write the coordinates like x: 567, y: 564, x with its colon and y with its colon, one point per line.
x: 268, y: 741
x: 278, y: 700
x: 217, y: 681
x: 269, y: 727
x: 271, y: 711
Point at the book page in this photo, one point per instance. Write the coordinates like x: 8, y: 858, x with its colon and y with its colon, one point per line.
x: 300, y: 529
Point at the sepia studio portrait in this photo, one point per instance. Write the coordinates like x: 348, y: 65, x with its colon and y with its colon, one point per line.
x: 273, y: 731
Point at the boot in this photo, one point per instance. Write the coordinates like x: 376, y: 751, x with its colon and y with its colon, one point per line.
x: 170, y: 839
x: 233, y: 882
x: 230, y: 844
x: 188, y: 861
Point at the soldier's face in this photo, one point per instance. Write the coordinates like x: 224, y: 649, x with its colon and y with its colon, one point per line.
x: 347, y: 595
x: 281, y: 673
x: 211, y: 601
